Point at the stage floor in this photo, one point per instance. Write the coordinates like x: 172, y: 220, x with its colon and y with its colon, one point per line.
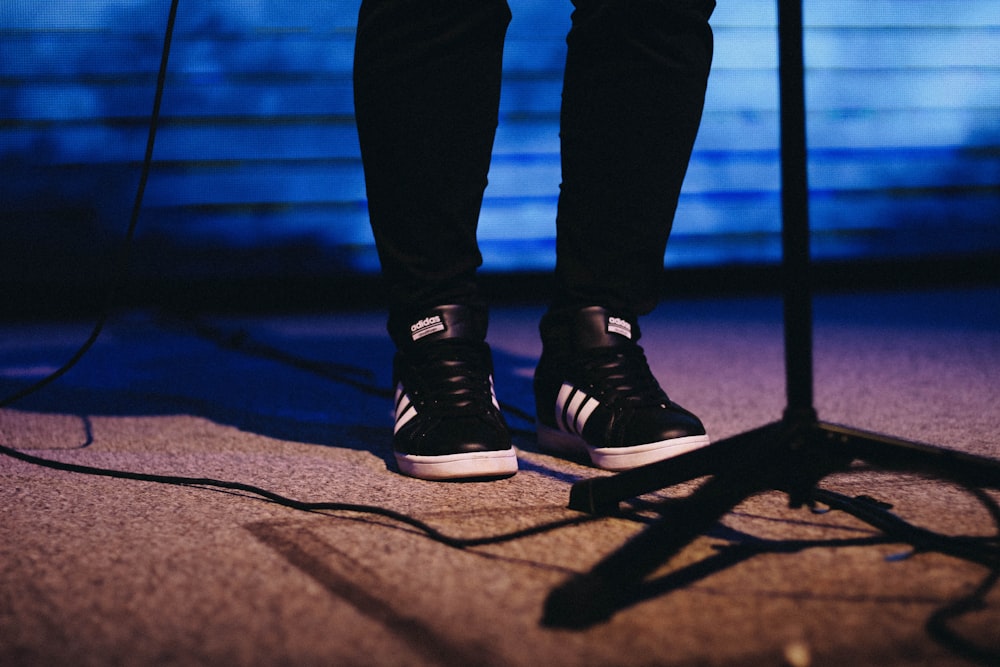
x: 96, y: 570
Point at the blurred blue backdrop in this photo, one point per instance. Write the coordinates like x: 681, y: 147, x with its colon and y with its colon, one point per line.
x: 257, y: 167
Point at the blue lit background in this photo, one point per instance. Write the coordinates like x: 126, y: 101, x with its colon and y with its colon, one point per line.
x: 257, y: 168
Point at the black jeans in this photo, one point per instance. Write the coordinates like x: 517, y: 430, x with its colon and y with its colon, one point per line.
x: 427, y: 76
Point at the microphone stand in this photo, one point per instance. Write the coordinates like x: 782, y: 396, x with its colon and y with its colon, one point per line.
x: 791, y: 455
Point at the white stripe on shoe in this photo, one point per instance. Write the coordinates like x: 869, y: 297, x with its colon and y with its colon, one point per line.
x: 573, y: 409
x: 405, y: 410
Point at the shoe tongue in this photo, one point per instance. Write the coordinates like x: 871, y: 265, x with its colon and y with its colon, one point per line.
x: 441, y: 323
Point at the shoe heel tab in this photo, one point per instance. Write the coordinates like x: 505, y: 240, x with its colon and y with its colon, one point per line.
x: 438, y: 323
x: 591, y: 327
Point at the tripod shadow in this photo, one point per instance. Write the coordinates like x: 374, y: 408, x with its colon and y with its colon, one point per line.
x: 743, y: 547
x: 619, y: 581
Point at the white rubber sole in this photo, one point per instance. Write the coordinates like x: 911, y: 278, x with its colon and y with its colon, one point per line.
x: 617, y: 459
x: 459, y: 466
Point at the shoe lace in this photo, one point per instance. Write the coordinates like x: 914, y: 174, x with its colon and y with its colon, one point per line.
x: 623, y: 374
x: 453, y: 378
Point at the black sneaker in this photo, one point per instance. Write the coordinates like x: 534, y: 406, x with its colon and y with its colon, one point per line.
x: 447, y: 419
x: 595, y: 395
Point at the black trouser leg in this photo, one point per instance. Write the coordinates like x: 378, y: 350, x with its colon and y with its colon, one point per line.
x: 427, y: 90
x: 634, y: 89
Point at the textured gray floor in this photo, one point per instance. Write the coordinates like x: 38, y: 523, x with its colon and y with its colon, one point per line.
x: 99, y: 571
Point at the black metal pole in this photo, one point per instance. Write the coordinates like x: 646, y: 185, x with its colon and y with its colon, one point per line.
x: 795, y: 214
x: 826, y: 447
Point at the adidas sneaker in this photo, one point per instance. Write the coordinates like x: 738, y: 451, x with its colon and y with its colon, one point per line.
x: 595, y: 395
x: 448, y: 423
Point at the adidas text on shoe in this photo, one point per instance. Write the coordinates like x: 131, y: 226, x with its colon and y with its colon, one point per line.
x: 448, y: 424
x: 596, y: 397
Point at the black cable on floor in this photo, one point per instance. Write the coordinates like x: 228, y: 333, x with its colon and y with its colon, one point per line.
x: 120, y: 271
x: 121, y: 264
x: 278, y: 499
x: 980, y: 550
x: 984, y: 550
